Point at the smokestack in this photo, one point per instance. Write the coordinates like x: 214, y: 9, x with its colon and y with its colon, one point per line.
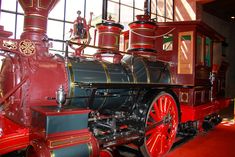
x: 36, y: 17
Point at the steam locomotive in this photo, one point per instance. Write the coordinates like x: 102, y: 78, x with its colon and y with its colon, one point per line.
x: 63, y: 106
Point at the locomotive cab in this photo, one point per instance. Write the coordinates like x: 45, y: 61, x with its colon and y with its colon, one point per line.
x: 190, y: 45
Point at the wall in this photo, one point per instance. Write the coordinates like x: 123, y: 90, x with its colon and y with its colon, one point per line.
x: 227, y: 30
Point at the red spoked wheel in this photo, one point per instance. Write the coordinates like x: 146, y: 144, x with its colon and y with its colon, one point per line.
x: 160, y: 126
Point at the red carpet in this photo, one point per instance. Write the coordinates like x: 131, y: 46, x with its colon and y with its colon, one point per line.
x: 219, y: 142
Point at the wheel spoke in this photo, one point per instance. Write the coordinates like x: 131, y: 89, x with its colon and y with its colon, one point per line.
x: 154, y: 144
x: 157, y: 111
x: 151, y: 138
x: 153, y: 116
x: 155, y: 130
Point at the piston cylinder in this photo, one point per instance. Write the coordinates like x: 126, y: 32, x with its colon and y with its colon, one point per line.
x: 141, y: 37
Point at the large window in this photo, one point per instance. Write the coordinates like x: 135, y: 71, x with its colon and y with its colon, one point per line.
x: 63, y: 15
x: 185, y: 53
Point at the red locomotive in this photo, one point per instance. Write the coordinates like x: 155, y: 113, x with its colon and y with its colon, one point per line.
x: 76, y: 106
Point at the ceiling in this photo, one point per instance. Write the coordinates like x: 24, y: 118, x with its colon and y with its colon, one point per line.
x: 223, y: 9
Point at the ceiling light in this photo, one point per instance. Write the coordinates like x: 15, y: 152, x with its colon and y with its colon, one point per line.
x: 233, y: 17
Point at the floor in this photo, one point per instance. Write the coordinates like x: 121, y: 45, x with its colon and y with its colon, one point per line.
x: 218, y: 142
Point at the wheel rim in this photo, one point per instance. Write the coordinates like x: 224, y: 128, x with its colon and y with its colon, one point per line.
x: 162, y: 122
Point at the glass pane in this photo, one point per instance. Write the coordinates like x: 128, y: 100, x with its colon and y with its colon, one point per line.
x: 127, y: 2
x: 113, y: 10
x: 126, y: 16
x: 160, y: 19
x: 169, y: 20
x: 160, y: 7
x: 169, y: 9
x: 96, y: 8
x: 9, y: 25
x: 55, y: 33
x: 9, y: 5
x: 185, y: 54
x: 68, y: 29
x: 72, y: 6
x: 168, y: 42
x: 20, y: 24
x: 20, y: 10
x: 208, y: 52
x: 200, y: 50
x: 139, y: 4
x: 153, y: 7
x: 58, y: 11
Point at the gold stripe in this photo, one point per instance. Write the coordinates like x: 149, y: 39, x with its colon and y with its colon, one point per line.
x: 131, y: 67
x: 70, y: 140
x: 72, y: 86
x: 147, y: 71
x: 14, y: 146
x: 145, y: 29
x: 37, y: 15
x: 108, y: 80
x: 12, y: 138
x: 106, y: 72
x: 141, y: 43
x: 90, y: 149
x: 26, y: 6
x: 33, y: 28
x: 109, y: 47
x: 115, y: 34
x: 52, y: 154
x: 44, y: 7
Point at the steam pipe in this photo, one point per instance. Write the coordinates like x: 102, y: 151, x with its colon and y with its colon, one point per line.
x: 105, y: 9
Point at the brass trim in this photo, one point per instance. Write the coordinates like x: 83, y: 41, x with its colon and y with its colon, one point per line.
x: 27, y: 47
x: 69, y: 140
x: 147, y: 71
x: 52, y: 154
x: 106, y: 72
x: 115, y: 34
x: 37, y: 15
x: 108, y: 80
x: 89, y: 145
x: 187, y: 97
x: 145, y: 29
x: 21, y: 145
x: 9, y: 44
x: 72, y: 86
x: 145, y: 43
x: 180, y: 69
x: 33, y: 28
x: 108, y: 47
x: 44, y: 7
x: 131, y: 68
x: 26, y: 6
